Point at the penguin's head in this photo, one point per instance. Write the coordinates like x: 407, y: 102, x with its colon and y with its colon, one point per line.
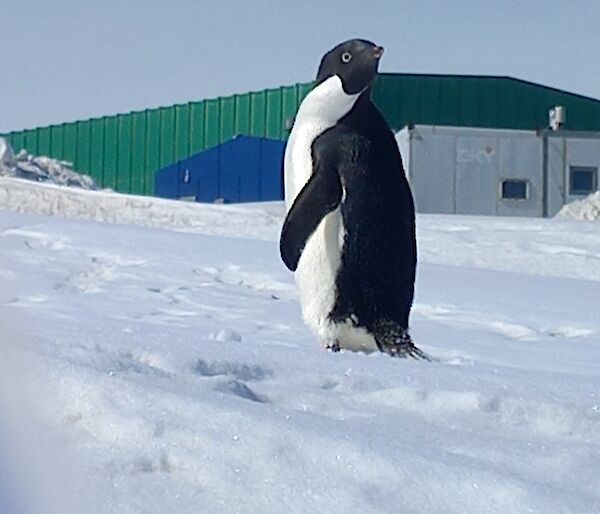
x: 355, y: 62
x: 345, y: 73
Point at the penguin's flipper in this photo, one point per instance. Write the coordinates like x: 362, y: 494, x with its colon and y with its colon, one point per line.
x: 321, y: 195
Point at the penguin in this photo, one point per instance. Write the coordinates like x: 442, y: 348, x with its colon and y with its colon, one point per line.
x: 349, y: 230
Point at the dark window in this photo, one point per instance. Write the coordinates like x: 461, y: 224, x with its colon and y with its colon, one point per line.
x: 515, y: 189
x: 582, y: 179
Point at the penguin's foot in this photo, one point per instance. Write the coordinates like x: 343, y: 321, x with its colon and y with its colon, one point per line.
x: 403, y: 346
x: 405, y: 350
x: 333, y: 347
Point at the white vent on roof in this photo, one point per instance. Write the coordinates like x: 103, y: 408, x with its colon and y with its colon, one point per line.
x: 558, y: 116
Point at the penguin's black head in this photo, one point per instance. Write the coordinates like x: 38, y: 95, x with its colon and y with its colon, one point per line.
x: 354, y: 61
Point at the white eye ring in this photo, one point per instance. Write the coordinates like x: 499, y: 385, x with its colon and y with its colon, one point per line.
x: 346, y: 57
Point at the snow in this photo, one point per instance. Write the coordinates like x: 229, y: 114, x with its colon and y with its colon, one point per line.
x: 40, y: 169
x: 7, y: 155
x: 587, y: 209
x: 169, y: 370
x: 227, y: 220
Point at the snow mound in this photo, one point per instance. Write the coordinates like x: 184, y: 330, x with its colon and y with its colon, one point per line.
x: 587, y: 209
x: 41, y: 169
x: 24, y: 196
x: 7, y: 156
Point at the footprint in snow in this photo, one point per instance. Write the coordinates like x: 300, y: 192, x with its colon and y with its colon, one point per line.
x: 225, y: 335
x: 101, y: 269
x: 232, y: 377
x: 514, y: 331
x: 241, y: 390
x: 257, y: 281
x: 27, y: 301
x: 450, y: 315
x: 143, y: 363
x: 570, y: 332
x: 35, y: 239
x: 235, y: 370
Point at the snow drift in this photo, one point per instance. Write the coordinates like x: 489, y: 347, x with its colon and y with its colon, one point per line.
x: 23, y: 196
x: 40, y: 169
x: 587, y: 209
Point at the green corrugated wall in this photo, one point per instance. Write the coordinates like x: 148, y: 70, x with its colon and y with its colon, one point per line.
x: 123, y: 152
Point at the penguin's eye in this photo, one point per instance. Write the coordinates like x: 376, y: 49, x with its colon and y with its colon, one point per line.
x: 346, y: 57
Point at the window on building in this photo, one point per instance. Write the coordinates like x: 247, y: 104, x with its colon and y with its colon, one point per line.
x: 515, y: 189
x: 583, y: 179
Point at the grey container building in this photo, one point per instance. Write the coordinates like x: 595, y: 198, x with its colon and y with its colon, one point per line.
x: 458, y: 170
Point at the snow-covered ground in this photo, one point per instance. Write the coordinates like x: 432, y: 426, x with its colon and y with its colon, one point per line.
x: 147, y: 370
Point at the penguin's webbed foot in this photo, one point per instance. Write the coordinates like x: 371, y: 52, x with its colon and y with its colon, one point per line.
x: 333, y: 347
x: 404, y: 350
x: 402, y: 346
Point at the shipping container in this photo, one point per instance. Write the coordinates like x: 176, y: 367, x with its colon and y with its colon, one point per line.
x: 459, y: 170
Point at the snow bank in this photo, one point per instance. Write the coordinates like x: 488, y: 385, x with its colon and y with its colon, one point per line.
x: 7, y: 156
x: 37, y: 198
x: 586, y: 209
x: 40, y: 169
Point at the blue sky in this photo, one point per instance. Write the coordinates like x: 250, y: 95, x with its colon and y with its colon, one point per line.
x: 64, y: 60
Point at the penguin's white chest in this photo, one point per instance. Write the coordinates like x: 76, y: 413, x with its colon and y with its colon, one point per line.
x: 320, y: 261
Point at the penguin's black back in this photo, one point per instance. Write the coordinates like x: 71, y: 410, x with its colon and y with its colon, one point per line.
x: 375, y: 281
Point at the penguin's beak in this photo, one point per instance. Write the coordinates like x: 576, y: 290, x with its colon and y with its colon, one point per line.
x: 378, y: 52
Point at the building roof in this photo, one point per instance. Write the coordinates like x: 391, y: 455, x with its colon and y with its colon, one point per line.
x: 479, y: 101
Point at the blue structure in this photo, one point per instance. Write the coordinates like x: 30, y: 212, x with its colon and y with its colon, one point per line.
x: 243, y: 169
